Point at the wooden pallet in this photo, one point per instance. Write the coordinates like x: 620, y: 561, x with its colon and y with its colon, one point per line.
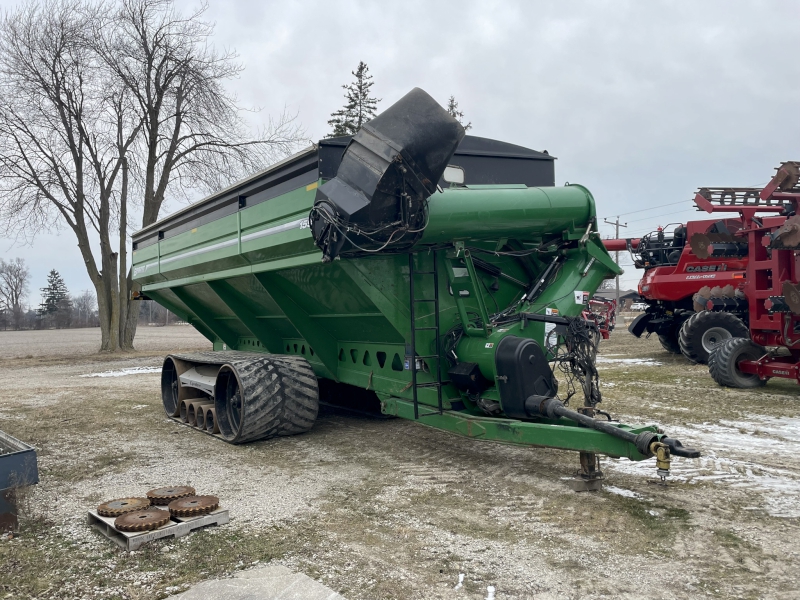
x: 177, y: 527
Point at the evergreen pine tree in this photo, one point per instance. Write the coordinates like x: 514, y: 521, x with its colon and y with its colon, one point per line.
x: 55, y: 296
x: 359, y: 107
x: 452, y: 108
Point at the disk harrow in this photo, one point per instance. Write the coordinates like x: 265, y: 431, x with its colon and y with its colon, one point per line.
x: 120, y: 506
x: 164, y: 495
x: 192, y: 506
x: 142, y: 520
x: 772, y: 230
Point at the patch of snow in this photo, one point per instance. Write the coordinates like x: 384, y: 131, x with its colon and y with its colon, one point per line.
x: 621, y: 492
x: 645, y: 362
x: 736, y: 454
x: 123, y: 372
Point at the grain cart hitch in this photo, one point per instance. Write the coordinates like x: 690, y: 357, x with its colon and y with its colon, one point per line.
x: 440, y: 272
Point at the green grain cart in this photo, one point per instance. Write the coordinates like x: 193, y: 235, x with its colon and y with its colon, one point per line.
x: 445, y: 274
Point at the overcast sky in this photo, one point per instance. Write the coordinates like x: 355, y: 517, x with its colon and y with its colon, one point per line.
x: 642, y: 102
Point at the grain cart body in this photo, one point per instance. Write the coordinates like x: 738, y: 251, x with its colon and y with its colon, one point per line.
x: 447, y: 304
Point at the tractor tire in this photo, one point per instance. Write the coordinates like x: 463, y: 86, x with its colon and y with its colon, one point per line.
x: 704, y: 330
x: 670, y: 342
x: 722, y: 364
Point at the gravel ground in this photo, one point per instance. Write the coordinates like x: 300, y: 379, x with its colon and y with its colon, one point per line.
x: 390, y: 509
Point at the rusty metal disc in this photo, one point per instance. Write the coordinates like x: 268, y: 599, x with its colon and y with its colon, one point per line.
x: 791, y: 295
x: 701, y: 245
x: 792, y: 170
x: 700, y: 298
x: 165, y: 495
x: 120, y: 506
x: 193, y: 506
x: 142, y: 520
x: 788, y: 234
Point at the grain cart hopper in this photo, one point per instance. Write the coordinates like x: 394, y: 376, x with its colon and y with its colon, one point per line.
x: 681, y: 276
x: 369, y: 269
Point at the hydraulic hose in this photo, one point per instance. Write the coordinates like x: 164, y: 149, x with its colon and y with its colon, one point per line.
x: 553, y: 408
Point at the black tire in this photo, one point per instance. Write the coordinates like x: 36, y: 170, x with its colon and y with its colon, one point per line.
x: 266, y: 397
x: 703, y: 330
x: 670, y: 342
x: 722, y: 364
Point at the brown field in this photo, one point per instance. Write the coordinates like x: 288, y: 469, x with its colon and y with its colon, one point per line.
x: 391, y: 509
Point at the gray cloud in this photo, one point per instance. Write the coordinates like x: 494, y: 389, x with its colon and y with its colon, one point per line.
x: 642, y: 102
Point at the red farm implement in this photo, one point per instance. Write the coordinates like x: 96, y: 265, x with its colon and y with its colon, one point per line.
x: 680, y: 261
x: 771, y: 227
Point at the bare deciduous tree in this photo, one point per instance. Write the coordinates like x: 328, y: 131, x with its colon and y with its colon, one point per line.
x: 110, y: 103
x: 84, y: 305
x: 14, y: 279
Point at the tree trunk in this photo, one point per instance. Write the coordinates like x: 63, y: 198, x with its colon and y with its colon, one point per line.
x: 125, y: 341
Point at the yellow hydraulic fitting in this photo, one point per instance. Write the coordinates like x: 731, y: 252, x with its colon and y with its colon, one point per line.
x: 661, y: 452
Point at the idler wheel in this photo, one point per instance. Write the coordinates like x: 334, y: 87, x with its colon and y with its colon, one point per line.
x: 169, y: 388
x: 164, y: 495
x: 120, y: 506
x: 193, y: 506
x: 142, y: 520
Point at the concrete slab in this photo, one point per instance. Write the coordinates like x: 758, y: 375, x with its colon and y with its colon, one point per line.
x: 272, y: 582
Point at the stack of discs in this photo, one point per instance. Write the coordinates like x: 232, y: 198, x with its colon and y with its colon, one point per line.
x: 164, y: 495
x: 137, y: 514
x: 192, y: 506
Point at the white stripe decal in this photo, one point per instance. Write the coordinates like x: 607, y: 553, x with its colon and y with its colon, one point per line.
x: 299, y: 224
x: 210, y: 248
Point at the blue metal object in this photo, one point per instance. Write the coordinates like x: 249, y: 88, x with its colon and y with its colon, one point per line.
x: 18, y: 465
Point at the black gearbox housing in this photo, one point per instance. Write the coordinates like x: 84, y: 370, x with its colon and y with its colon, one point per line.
x: 467, y: 376
x: 523, y: 376
x: 388, y: 171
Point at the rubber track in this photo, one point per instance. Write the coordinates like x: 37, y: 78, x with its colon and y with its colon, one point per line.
x: 691, y: 334
x: 722, y: 363
x: 281, y: 392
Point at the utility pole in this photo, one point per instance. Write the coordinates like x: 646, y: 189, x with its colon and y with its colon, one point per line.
x: 616, y: 224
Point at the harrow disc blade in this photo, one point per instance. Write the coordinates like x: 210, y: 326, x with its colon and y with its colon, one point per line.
x: 120, y: 506
x: 701, y: 245
x: 165, y: 495
x: 792, y: 170
x: 791, y: 295
x: 788, y: 234
x: 142, y: 520
x: 700, y: 298
x: 193, y: 505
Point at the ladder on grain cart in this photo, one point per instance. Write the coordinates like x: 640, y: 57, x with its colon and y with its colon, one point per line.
x: 437, y: 356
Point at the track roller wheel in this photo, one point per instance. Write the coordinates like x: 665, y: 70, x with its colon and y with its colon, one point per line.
x: 704, y: 330
x: 265, y: 397
x: 722, y: 364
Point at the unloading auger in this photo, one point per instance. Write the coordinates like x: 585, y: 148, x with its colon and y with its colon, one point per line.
x: 419, y: 265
